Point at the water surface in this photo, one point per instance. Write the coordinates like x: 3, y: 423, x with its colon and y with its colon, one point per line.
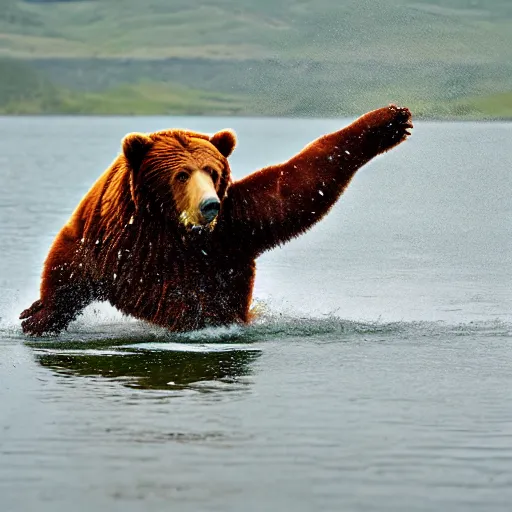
x: 378, y: 376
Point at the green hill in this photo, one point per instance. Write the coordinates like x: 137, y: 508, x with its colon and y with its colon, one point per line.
x: 445, y: 58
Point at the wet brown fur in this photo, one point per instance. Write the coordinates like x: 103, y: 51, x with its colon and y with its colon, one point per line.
x: 125, y: 242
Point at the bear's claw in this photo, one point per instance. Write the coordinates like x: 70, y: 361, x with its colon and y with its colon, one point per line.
x: 42, y: 323
x: 38, y: 320
x: 36, y: 306
x: 390, y: 126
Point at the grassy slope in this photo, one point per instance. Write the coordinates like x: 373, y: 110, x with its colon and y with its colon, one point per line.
x: 290, y: 57
x: 23, y: 91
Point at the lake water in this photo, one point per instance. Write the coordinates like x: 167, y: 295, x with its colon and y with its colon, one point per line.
x: 378, y: 377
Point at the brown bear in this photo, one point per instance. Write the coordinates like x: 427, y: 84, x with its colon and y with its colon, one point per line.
x: 166, y: 236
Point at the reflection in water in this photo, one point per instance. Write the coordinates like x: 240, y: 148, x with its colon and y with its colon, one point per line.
x: 153, y: 369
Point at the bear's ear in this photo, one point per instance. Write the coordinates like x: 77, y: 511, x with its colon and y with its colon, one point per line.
x: 224, y: 141
x: 135, y: 147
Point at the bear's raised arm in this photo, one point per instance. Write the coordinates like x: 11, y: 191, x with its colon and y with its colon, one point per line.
x: 277, y: 203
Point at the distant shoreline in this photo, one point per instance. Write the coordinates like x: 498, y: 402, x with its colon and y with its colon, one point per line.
x: 253, y: 88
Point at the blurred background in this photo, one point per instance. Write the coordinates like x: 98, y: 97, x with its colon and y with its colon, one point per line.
x: 322, y: 58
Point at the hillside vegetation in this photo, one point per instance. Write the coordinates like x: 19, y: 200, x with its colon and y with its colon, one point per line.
x: 445, y: 58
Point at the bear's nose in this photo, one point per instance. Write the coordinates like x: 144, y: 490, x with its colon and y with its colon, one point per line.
x: 209, y: 208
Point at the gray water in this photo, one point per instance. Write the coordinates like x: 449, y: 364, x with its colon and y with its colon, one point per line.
x: 378, y: 376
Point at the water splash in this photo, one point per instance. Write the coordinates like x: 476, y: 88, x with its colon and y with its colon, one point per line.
x: 100, y: 329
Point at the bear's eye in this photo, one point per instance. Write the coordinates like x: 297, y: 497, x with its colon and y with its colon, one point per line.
x: 213, y: 174
x: 182, y: 176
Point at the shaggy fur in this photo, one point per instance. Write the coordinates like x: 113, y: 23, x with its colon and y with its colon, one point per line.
x: 126, y: 242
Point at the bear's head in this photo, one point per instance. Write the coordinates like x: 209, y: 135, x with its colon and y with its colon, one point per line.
x: 184, y: 174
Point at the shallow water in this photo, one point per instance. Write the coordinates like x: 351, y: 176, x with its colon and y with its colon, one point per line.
x: 377, y: 377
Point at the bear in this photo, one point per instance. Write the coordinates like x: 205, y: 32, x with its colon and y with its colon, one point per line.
x: 166, y: 236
